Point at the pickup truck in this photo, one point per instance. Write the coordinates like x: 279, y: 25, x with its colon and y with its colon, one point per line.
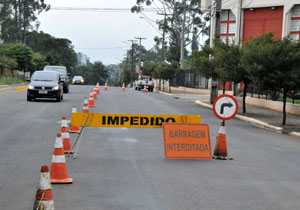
x: 144, y: 80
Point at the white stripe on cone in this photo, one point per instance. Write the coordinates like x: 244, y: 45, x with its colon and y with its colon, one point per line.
x: 65, y: 135
x: 45, y: 183
x: 47, y: 205
x: 58, y: 159
x: 222, y: 130
x: 64, y: 123
x: 58, y: 143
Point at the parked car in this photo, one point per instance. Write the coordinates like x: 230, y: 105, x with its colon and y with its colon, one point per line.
x: 62, y: 70
x: 78, y: 80
x: 45, y: 84
x: 144, y: 80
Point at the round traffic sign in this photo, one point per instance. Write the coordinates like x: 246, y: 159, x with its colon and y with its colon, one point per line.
x: 225, y: 107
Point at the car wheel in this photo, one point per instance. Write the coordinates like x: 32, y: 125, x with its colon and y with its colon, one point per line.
x: 136, y: 88
x: 58, y: 98
x: 29, y: 98
x: 62, y: 97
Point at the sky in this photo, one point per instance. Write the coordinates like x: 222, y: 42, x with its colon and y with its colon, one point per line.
x: 102, y: 36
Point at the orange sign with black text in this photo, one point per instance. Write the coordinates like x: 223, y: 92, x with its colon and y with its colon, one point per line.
x: 187, y: 141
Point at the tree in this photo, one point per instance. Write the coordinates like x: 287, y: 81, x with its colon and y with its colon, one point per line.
x: 204, y: 62
x: 273, y: 64
x: 38, y: 61
x: 57, y: 51
x: 7, y: 63
x: 17, y: 16
x: 22, y: 54
x: 228, y: 59
x: 185, y: 12
x: 149, y: 68
x: 166, y: 71
x: 100, y: 74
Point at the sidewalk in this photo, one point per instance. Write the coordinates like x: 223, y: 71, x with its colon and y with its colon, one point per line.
x: 254, y: 114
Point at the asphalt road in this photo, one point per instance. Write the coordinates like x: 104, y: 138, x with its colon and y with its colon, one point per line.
x: 124, y: 168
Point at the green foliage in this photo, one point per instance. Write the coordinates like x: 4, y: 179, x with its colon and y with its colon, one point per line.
x: 195, y: 23
x: 10, y: 78
x: 92, y: 74
x: 273, y: 64
x: 38, y: 61
x: 204, y: 62
x: 166, y: 71
x: 99, y: 72
x: 56, y: 50
x: 7, y: 63
x: 148, y: 68
x: 17, y: 16
x: 22, y: 54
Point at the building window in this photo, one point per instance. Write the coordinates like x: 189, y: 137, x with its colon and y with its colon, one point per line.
x: 224, y: 15
x: 296, y: 11
x: 228, y: 26
x: 232, y: 28
x: 295, y: 23
x: 295, y: 37
x: 223, y: 28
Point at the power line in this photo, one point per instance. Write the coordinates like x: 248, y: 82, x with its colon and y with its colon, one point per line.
x: 97, y: 48
x: 95, y: 9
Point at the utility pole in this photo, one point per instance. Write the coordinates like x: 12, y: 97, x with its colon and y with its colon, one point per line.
x: 182, y: 42
x: 217, y: 25
x: 140, y: 53
x: 163, y: 38
x: 131, y: 72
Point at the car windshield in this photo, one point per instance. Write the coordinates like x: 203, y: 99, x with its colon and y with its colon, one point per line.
x: 78, y: 77
x: 44, y: 76
x: 58, y: 69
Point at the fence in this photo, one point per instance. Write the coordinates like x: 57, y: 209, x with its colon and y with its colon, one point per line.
x: 189, y: 78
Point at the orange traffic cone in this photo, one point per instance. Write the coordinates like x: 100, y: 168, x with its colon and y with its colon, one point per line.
x: 85, y: 108
x: 145, y: 89
x: 58, y: 171
x: 221, y: 146
x: 94, y: 93
x: 74, y: 129
x: 44, y: 194
x: 65, y: 135
x: 91, y: 100
x: 97, y: 90
x: 105, y: 86
x: 123, y: 88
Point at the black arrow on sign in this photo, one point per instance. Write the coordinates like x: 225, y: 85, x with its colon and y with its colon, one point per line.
x: 225, y: 105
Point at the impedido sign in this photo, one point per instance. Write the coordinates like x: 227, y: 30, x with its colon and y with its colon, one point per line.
x: 130, y: 120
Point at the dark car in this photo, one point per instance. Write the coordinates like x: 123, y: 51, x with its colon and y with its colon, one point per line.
x: 62, y: 70
x: 78, y: 80
x: 45, y: 84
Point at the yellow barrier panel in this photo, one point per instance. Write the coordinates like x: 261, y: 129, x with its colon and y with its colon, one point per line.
x: 130, y: 120
x: 21, y: 88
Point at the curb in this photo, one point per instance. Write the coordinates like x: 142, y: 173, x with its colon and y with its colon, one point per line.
x: 164, y: 93
x: 21, y: 88
x: 254, y: 121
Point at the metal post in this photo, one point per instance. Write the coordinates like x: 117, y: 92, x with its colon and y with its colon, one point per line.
x: 182, y: 41
x: 140, y: 54
x: 214, y: 83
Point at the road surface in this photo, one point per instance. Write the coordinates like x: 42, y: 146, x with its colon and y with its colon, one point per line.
x: 124, y: 168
